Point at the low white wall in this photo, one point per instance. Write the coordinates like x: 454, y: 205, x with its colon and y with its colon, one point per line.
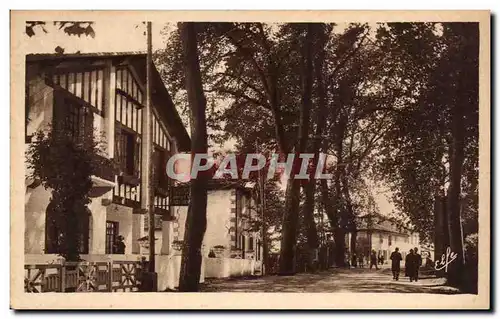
x: 229, y: 267
x: 168, y: 268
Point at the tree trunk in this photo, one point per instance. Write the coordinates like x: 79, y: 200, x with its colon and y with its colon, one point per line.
x: 311, y: 231
x: 340, y: 211
x: 310, y: 187
x: 350, y: 218
x: 453, y: 205
x: 291, y: 214
x: 441, y: 236
x: 340, y: 247
x: 265, y: 254
x: 455, y: 269
x: 354, y: 234
x: 196, y: 221
x: 327, y: 204
x: 462, y: 98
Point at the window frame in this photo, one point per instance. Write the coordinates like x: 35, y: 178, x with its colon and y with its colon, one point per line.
x: 110, y: 246
x: 64, y: 106
x: 122, y: 147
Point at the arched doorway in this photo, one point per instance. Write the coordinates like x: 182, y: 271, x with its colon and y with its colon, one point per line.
x: 53, y: 230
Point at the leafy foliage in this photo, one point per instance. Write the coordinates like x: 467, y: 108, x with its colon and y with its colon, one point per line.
x: 76, y: 28
x: 65, y: 166
x: 389, y: 95
x: 415, y: 158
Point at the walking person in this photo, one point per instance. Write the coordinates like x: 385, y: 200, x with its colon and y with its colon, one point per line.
x: 373, y: 260
x: 396, y: 266
x: 347, y: 260
x: 410, y: 265
x: 418, y: 263
x: 361, y: 261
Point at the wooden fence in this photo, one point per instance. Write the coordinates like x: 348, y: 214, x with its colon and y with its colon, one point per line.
x: 112, y: 276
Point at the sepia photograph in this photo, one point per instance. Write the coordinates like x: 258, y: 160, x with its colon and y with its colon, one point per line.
x: 284, y: 156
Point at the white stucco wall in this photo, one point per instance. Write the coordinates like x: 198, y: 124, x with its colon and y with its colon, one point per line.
x: 218, y: 220
x: 40, y: 98
x: 34, y: 220
x: 229, y: 267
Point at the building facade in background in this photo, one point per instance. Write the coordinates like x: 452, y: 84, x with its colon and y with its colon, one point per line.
x: 379, y: 233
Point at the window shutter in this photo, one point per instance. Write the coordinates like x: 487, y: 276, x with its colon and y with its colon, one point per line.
x: 118, y: 145
x: 163, y: 169
x: 137, y: 157
x: 154, y: 167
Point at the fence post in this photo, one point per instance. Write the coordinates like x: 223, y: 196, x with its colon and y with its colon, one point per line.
x: 110, y: 276
x: 62, y: 275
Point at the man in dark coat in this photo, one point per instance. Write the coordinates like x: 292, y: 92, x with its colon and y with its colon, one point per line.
x: 418, y: 263
x: 410, y: 265
x: 395, y: 267
x: 373, y: 260
x: 120, y: 245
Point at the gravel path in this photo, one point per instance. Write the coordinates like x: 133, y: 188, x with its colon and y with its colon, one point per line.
x: 333, y: 280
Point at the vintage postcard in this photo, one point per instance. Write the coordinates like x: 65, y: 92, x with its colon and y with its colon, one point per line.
x: 250, y: 160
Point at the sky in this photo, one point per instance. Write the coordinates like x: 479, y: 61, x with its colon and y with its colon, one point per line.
x: 110, y: 36
x: 119, y: 36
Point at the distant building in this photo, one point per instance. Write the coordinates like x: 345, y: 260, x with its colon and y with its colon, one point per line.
x: 379, y: 233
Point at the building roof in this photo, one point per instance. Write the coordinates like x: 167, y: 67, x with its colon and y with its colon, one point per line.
x: 160, y: 97
x: 377, y: 222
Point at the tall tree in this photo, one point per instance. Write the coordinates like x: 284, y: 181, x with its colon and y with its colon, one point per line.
x: 432, y: 150
x: 291, y: 213
x: 196, y: 221
x: 463, y: 95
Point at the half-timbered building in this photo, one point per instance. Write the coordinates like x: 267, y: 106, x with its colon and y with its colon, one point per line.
x: 104, y: 95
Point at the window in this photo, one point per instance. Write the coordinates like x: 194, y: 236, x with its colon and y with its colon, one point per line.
x: 160, y: 168
x: 72, y: 118
x: 87, y: 85
x: 127, y: 145
x: 157, y: 219
x: 390, y: 240
x: 161, y: 202
x: 257, y: 250
x: 381, y: 238
x: 111, y: 235
x: 242, y: 247
x: 250, y: 243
